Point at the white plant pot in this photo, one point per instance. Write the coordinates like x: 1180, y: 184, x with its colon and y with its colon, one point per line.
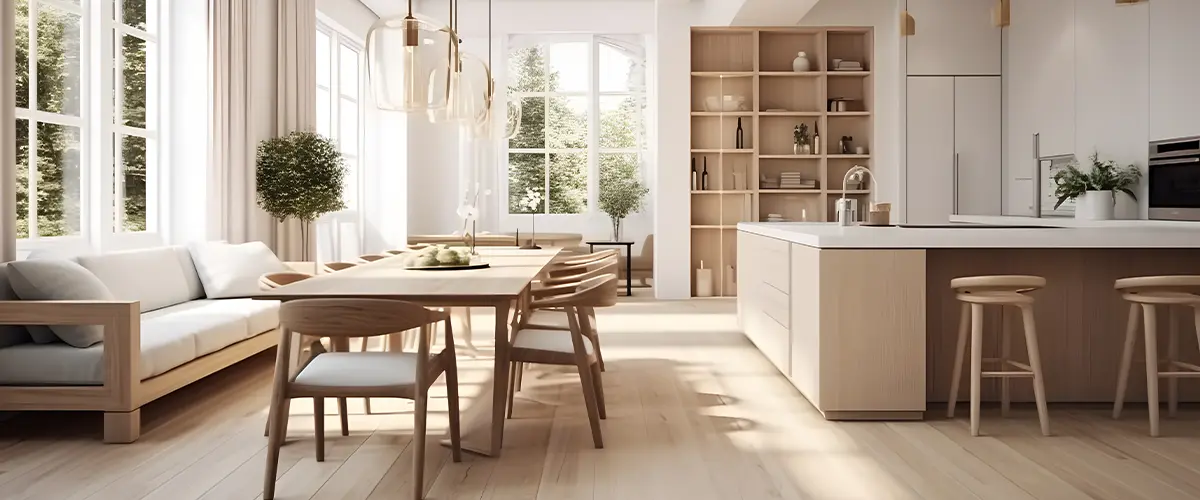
x: 1094, y: 205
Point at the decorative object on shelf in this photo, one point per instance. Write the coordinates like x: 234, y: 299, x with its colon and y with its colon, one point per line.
x: 880, y: 215
x: 847, y: 208
x: 775, y: 218
x: 738, y: 181
x: 765, y: 183
x: 730, y: 281
x: 704, y: 176
x: 1095, y: 191
x: 801, y: 144
x: 704, y: 283
x: 725, y: 103
x: 842, y: 65
x: 621, y: 194
x: 410, y: 60
x: 844, y: 144
x: 532, y: 201
x: 695, y: 176
x: 801, y: 64
x: 859, y: 150
x: 795, y: 180
x: 443, y: 258
x: 738, y: 141
x: 300, y: 176
x: 816, y: 142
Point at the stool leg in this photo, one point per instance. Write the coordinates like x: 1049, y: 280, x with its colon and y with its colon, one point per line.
x: 1126, y: 358
x: 976, y: 363
x: 1035, y: 362
x: 1172, y: 357
x: 1005, y: 355
x: 959, y: 349
x: 1151, y: 327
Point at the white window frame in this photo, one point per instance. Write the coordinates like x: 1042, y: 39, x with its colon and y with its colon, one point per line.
x: 98, y: 125
x: 337, y: 38
x: 593, y: 150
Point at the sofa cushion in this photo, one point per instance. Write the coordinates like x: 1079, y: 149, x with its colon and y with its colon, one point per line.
x: 233, y: 270
x: 59, y: 280
x: 194, y: 286
x: 152, y: 276
x: 171, y: 337
x: 10, y: 334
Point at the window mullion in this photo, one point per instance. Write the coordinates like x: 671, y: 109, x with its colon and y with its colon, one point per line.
x: 593, y: 125
x: 32, y: 184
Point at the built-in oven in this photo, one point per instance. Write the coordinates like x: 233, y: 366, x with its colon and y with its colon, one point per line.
x: 1174, y: 179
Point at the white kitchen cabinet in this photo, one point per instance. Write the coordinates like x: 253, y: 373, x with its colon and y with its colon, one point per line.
x: 953, y: 148
x: 954, y: 37
x: 1174, y: 69
x: 1040, y: 74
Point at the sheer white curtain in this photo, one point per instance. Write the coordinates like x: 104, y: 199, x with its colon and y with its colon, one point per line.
x: 263, y: 56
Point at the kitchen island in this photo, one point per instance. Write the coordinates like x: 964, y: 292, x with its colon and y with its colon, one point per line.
x: 863, y: 322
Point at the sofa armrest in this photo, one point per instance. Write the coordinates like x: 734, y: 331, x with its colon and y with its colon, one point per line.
x: 121, y: 320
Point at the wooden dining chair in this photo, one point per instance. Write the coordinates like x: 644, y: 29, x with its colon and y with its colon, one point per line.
x: 272, y: 281
x: 372, y: 257
x: 358, y: 374
x: 545, y: 315
x: 543, y: 346
x: 333, y: 267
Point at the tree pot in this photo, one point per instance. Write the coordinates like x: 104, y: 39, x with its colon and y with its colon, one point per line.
x: 1095, y: 205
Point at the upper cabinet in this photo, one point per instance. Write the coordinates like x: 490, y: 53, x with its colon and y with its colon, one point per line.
x: 954, y: 37
x: 1040, y: 79
x: 1174, y: 69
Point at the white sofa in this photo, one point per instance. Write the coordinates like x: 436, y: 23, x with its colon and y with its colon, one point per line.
x: 160, y: 334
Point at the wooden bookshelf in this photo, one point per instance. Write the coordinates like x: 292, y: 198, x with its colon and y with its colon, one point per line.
x: 752, y: 67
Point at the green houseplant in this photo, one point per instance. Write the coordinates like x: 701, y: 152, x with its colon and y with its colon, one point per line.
x: 300, y: 176
x: 1095, y: 191
x: 621, y: 192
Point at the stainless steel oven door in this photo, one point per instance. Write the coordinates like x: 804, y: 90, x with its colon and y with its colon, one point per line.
x: 1175, y: 188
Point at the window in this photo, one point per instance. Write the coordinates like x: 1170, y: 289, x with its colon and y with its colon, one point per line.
x: 85, y: 114
x: 339, y: 108
x: 583, y: 102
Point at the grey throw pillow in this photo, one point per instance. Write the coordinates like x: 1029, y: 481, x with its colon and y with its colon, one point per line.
x: 59, y: 280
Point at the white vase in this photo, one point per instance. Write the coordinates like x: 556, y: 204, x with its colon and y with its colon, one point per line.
x: 801, y: 64
x: 1094, y: 205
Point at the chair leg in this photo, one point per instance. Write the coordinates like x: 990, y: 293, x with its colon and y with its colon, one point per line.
x: 1150, y: 321
x: 959, y: 350
x: 520, y: 374
x: 1005, y: 355
x: 366, y: 341
x: 452, y: 405
x: 419, y: 415
x: 319, y: 427
x: 976, y: 363
x: 589, y: 399
x: 278, y: 421
x: 345, y: 416
x: 598, y: 382
x: 512, y: 385
x: 1035, y: 362
x: 1131, y: 327
x: 1172, y: 357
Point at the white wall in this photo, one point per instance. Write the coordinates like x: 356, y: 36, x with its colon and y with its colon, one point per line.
x: 187, y: 98
x: 888, y: 73
x: 670, y: 129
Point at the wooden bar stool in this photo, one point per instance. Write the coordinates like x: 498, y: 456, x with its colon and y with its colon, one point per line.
x: 1004, y: 291
x: 1143, y: 294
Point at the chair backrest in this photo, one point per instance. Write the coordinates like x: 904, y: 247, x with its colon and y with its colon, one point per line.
x: 580, y: 272
x: 588, y: 258
x: 374, y: 257
x: 354, y: 317
x: 333, y: 267
x: 275, y: 280
x: 598, y: 291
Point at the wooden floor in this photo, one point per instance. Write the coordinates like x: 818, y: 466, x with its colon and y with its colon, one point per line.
x: 694, y: 412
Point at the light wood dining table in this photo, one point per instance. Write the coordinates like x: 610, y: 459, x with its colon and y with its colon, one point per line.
x: 502, y: 286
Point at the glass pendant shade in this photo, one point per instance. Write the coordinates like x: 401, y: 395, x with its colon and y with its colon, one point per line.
x: 512, y: 123
x: 470, y: 94
x: 409, y: 59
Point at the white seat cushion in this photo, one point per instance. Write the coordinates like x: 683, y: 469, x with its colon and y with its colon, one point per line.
x: 548, y: 340
x: 360, y: 369
x: 549, y: 319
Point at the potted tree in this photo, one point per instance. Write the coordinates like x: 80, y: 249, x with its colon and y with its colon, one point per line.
x: 1095, y: 191
x: 621, y: 191
x: 300, y: 176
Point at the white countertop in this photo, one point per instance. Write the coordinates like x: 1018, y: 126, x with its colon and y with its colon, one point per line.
x: 831, y: 235
x: 1013, y: 220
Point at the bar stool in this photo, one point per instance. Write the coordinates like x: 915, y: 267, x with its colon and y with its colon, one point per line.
x: 1004, y: 291
x: 1144, y: 293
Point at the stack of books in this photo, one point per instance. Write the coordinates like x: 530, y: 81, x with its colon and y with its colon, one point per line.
x: 795, y: 180
x: 849, y: 66
x: 775, y: 218
x: 767, y: 183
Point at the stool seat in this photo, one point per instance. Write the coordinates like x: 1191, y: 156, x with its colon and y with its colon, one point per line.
x: 1145, y: 294
x: 999, y: 283
x: 975, y: 292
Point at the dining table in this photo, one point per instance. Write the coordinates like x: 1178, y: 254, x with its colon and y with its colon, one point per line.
x: 504, y: 286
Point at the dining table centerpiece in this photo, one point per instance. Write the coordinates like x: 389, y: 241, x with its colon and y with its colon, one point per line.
x: 441, y: 257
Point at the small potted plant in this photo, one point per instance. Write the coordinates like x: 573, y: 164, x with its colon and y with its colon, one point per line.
x: 1095, y: 191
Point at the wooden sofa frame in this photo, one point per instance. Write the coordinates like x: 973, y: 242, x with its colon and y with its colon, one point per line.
x: 123, y: 393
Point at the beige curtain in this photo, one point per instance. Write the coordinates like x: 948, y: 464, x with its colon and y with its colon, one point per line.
x: 8, y: 139
x: 242, y: 70
x: 297, y: 103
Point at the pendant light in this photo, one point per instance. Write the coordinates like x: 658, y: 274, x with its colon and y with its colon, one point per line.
x: 471, y: 87
x: 408, y: 59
